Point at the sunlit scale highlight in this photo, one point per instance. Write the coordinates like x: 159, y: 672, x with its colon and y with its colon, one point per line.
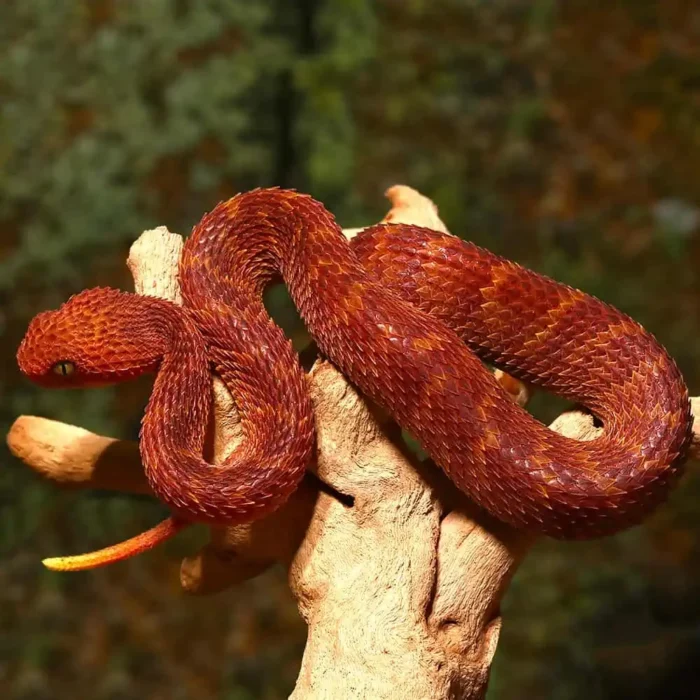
x: 404, y: 312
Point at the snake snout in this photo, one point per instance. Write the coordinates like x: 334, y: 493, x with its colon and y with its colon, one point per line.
x: 36, y: 353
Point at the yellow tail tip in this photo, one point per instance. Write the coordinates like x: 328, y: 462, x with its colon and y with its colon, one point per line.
x: 55, y: 563
x: 117, y: 552
x: 81, y: 562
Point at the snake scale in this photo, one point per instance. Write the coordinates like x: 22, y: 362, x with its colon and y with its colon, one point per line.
x: 407, y: 314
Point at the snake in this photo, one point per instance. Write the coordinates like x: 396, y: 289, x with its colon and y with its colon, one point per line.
x: 410, y: 316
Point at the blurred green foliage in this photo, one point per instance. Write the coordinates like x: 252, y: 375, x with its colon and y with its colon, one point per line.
x: 564, y: 135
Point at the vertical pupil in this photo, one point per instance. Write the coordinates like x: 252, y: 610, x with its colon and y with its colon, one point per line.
x: 63, y: 368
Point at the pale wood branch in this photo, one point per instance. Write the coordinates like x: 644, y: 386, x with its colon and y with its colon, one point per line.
x: 74, y: 457
x: 397, y: 574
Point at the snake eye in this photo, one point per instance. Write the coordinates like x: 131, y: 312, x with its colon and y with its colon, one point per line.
x: 63, y: 368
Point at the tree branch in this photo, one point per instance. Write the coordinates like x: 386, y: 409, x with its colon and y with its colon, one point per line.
x: 397, y: 574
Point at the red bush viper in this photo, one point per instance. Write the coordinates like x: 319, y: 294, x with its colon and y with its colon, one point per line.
x: 403, y: 312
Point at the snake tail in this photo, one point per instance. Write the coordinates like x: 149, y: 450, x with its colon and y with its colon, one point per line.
x: 149, y: 539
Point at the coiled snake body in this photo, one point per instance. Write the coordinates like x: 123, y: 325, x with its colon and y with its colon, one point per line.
x: 403, y: 312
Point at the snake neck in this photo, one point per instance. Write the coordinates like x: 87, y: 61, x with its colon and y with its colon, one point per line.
x: 174, y: 425
x: 268, y: 464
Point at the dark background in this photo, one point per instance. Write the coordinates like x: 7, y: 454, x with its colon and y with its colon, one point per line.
x: 564, y: 135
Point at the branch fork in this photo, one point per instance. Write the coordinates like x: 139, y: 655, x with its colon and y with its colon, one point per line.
x: 398, y: 576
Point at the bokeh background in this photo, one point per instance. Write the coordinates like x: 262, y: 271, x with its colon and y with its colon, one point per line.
x: 565, y: 135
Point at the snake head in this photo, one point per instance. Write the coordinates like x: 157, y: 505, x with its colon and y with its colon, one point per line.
x: 97, y: 337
